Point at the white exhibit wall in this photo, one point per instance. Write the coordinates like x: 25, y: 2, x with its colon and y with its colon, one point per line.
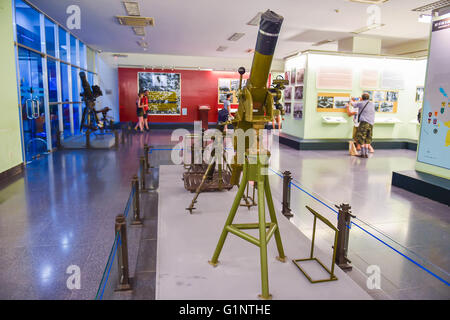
x: 109, y: 83
x: 412, y: 73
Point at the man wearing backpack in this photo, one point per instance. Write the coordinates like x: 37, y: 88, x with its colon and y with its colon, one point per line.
x: 366, y: 117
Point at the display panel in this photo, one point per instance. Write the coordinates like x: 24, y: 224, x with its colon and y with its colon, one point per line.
x: 384, y: 101
x: 227, y: 85
x: 164, y: 96
x: 298, y: 110
x: 434, y: 143
x: 332, y: 102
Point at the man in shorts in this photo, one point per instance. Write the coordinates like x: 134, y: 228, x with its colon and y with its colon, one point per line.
x: 366, y: 119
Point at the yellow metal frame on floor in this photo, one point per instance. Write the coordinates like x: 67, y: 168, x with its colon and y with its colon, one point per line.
x: 254, y: 170
x: 312, y: 258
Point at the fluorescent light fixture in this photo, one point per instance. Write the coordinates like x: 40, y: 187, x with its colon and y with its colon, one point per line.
x: 132, y: 8
x: 322, y: 42
x: 368, y: 28
x: 139, y: 31
x: 236, y: 36
x: 221, y: 48
x: 135, y: 21
x: 256, y: 19
x: 425, y: 18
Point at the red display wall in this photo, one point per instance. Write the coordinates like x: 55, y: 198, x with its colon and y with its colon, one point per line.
x: 197, y: 88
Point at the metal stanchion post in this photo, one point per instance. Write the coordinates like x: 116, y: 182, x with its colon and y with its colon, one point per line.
x: 116, y: 138
x: 122, y: 253
x: 286, y: 210
x: 123, y: 135
x: 136, y: 202
x: 146, y: 151
x: 143, y: 172
x: 344, y: 224
x: 88, y: 139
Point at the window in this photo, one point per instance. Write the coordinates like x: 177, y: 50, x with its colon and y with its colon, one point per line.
x: 65, y: 98
x: 62, y: 44
x: 82, y: 55
x: 73, y: 50
x: 75, y: 97
x: 28, y: 26
x: 50, y: 37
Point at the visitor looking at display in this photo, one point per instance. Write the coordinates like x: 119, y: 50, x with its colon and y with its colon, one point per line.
x: 364, y: 117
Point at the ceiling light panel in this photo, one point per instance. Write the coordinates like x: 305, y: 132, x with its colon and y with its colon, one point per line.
x: 221, y: 48
x: 132, y: 8
x: 322, y: 42
x: 433, y: 6
x: 143, y: 44
x: 256, y: 19
x: 236, y: 36
x: 135, y: 21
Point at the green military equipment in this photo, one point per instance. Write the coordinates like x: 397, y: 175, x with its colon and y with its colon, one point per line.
x: 256, y: 108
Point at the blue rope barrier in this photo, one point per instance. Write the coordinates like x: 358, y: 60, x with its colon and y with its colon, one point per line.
x: 116, y: 241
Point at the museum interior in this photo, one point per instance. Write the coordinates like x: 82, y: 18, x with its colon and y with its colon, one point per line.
x: 241, y: 150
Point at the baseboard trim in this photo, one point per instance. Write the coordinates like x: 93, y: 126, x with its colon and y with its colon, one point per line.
x: 9, y: 175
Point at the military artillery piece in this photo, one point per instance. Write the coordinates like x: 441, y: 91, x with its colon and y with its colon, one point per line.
x: 257, y: 106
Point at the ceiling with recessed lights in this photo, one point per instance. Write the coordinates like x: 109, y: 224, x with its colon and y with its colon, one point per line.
x: 200, y: 27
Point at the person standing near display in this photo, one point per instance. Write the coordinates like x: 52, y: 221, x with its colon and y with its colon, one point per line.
x: 140, y: 112
x: 227, y: 102
x: 226, y: 106
x: 146, y: 109
x: 365, y: 113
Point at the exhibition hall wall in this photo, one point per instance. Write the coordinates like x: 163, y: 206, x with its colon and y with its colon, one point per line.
x: 195, y: 88
x: 108, y: 81
x: 10, y: 141
x: 338, y: 77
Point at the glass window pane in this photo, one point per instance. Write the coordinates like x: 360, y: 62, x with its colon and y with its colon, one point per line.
x: 73, y: 50
x: 53, y: 97
x: 28, y: 26
x: 50, y: 37
x: 75, y: 97
x: 90, y: 56
x: 62, y: 44
x: 82, y: 55
x: 65, y: 97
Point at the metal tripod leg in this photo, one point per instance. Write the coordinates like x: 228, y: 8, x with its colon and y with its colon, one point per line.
x: 199, y: 188
x: 237, y: 200
x: 263, y: 241
x: 281, y: 257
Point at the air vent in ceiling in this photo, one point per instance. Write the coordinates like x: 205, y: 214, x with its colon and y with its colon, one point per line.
x: 119, y: 55
x: 143, y: 43
x: 139, y: 31
x: 256, y: 19
x: 132, y: 8
x: 135, y: 21
x: 369, y: 1
x: 221, y: 48
x: 433, y: 6
x: 236, y: 36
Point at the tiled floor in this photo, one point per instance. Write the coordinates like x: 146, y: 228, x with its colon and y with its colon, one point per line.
x: 62, y: 213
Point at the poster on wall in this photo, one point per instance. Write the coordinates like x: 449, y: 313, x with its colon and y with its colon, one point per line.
x: 287, y: 107
x: 369, y: 78
x: 334, y: 78
x: 226, y: 86
x: 332, y: 102
x: 288, y: 93
x: 164, y: 92
x: 419, y: 94
x: 385, y: 101
x: 300, y: 77
x: 298, y: 110
x: 434, y: 142
x: 298, y: 95
x: 287, y: 76
x: 293, y: 73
